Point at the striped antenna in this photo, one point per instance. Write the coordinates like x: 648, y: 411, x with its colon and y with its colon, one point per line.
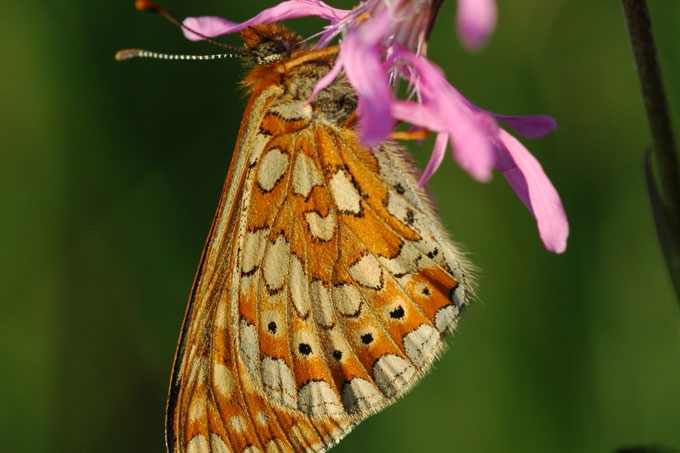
x: 127, y: 54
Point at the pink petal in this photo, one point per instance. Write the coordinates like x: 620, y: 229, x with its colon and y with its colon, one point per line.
x: 419, y: 114
x: 436, y: 158
x: 375, y: 120
x: 471, y: 147
x: 526, y: 176
x: 214, y: 26
x: 347, y: 22
x: 361, y: 59
x: 532, y: 126
x: 475, y: 20
x: 443, y: 109
x: 208, y: 26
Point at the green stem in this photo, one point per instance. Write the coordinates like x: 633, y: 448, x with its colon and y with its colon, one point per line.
x: 660, y: 125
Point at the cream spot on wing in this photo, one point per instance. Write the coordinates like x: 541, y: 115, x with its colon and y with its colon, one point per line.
x: 321, y: 227
x: 197, y: 409
x: 347, y: 299
x: 449, y: 256
x: 434, y: 250
x: 318, y: 398
x: 404, y: 263
x: 299, y: 287
x: 223, y: 380
x: 251, y: 449
x: 257, y: 145
x: 237, y: 424
x: 321, y: 301
x: 338, y: 342
x: 393, y: 374
x: 272, y: 167
x: 221, y: 312
x: 278, y: 382
x: 293, y: 110
x: 249, y: 347
x: 359, y: 395
x: 248, y: 286
x: 275, y: 445
x: 302, y: 437
x: 198, y: 444
x: 261, y: 418
x: 268, y: 317
x: 345, y: 194
x: 304, y: 336
x: 367, y: 272
x: 446, y: 318
x: 249, y: 384
x: 199, y: 369
x: 217, y: 444
x: 422, y: 289
x: 306, y: 175
x: 402, y: 210
x: 339, y: 431
x: 253, y: 249
x: 276, y: 263
x: 397, y: 310
x: 458, y: 294
x: 421, y: 344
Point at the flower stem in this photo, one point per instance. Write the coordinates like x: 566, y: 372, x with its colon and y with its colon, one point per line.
x: 434, y: 12
x: 661, y: 128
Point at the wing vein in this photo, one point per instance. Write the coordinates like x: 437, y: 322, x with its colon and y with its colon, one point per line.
x: 341, y: 321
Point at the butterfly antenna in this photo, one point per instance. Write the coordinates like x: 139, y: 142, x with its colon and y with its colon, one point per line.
x: 127, y: 54
x: 146, y: 5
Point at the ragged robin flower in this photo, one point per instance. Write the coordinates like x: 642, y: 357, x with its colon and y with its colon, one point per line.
x: 383, y: 43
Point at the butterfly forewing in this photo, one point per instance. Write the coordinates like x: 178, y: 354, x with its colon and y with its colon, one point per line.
x: 326, y: 284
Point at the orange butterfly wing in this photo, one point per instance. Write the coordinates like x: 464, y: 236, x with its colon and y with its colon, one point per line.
x: 325, y: 287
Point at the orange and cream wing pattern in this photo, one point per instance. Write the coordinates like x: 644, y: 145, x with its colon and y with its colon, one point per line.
x: 327, y: 282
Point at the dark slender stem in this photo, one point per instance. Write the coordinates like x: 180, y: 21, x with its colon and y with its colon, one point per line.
x: 656, y: 105
x: 434, y: 12
x: 665, y: 205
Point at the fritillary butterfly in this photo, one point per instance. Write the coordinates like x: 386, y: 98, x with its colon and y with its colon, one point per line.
x: 327, y: 282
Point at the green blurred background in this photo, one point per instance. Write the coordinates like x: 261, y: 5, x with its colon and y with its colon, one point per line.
x: 111, y: 173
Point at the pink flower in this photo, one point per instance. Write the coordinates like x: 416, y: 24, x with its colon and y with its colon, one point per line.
x: 475, y: 20
x: 212, y: 26
x: 383, y: 42
x: 479, y: 144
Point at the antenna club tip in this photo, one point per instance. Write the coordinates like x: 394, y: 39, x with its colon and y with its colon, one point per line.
x: 126, y: 54
x: 146, y: 5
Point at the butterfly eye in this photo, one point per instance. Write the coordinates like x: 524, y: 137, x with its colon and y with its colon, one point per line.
x: 270, y: 51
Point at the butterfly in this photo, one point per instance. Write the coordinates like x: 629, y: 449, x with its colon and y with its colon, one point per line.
x: 327, y: 282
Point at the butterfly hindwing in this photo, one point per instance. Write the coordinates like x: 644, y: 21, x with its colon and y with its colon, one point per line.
x: 326, y: 285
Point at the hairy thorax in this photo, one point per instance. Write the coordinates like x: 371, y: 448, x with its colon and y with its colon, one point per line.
x: 334, y: 104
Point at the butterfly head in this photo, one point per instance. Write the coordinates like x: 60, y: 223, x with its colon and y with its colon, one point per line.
x: 269, y: 43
